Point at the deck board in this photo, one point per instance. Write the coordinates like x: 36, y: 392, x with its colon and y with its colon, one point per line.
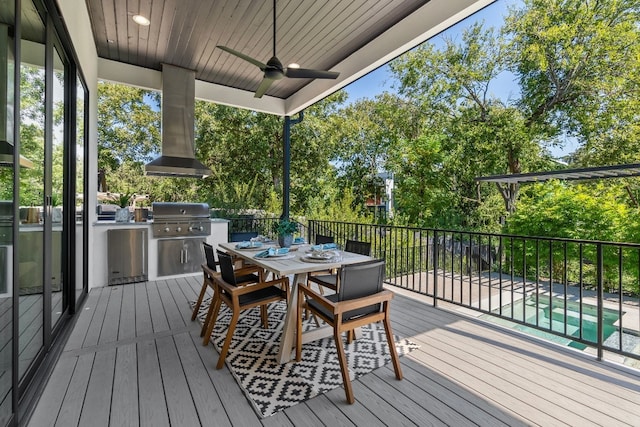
x: 205, y: 396
x: 143, y: 314
x: 182, y: 410
x: 71, y: 408
x: 124, y: 406
x: 111, y: 323
x: 153, y: 407
x: 95, y: 327
x: 175, y: 318
x: 97, y: 400
x: 127, y: 325
x: 147, y: 366
x: 158, y: 315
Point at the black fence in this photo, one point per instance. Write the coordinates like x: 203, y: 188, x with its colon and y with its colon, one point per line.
x: 579, y: 293
x: 245, y: 227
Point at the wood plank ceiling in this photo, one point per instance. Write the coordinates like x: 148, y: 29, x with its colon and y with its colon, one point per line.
x: 316, y: 34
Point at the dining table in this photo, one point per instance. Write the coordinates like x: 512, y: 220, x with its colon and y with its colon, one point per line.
x: 298, y: 263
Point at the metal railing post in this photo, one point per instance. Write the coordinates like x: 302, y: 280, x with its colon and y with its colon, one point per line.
x: 435, y: 268
x: 599, y: 283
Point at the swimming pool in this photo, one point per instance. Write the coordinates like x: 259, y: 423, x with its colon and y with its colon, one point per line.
x: 550, y: 315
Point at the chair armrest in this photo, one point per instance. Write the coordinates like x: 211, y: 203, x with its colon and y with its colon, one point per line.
x: 352, y: 304
x: 247, y: 270
x: 209, y: 272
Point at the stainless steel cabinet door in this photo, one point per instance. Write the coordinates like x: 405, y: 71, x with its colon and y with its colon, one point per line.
x: 169, y: 257
x: 193, y: 255
x: 127, y: 255
x: 179, y: 256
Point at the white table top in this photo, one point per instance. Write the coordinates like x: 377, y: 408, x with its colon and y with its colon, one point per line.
x: 289, y: 266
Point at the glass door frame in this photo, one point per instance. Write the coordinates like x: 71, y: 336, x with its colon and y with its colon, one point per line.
x: 57, y: 38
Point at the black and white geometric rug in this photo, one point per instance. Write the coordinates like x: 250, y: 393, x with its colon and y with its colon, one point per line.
x: 272, y: 387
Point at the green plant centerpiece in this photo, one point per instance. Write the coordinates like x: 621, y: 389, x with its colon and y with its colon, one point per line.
x: 285, y: 229
x: 122, y: 200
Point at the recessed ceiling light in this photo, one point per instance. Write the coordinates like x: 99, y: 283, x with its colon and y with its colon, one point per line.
x: 293, y: 65
x: 139, y: 19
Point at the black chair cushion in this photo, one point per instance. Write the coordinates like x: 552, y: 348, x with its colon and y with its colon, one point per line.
x: 349, y: 315
x: 261, y: 295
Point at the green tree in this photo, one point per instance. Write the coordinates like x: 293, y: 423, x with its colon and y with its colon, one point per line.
x: 578, y: 65
x: 469, y: 132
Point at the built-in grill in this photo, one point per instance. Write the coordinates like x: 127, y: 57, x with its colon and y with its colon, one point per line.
x: 180, y: 220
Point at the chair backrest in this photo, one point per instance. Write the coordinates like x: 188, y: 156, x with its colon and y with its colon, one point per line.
x: 208, y: 253
x: 361, y: 280
x: 226, y: 268
x: 321, y: 239
x: 242, y: 236
x: 362, y: 248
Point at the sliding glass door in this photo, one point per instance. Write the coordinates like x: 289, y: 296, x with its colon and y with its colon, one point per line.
x: 43, y: 229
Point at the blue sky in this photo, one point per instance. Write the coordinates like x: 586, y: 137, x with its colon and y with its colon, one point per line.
x: 504, y: 87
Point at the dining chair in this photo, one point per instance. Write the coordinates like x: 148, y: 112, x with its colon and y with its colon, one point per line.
x: 241, y: 236
x: 244, y: 276
x: 240, y: 298
x: 208, y: 270
x: 322, y: 239
x: 330, y: 279
x: 360, y: 300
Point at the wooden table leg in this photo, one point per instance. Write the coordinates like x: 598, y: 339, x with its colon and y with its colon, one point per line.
x: 287, y: 341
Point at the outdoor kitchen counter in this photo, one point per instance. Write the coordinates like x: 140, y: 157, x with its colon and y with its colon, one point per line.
x: 98, y: 272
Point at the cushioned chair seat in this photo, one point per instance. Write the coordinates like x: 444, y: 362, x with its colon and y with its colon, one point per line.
x: 348, y: 315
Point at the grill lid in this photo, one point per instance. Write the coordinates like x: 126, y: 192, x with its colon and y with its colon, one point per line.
x: 179, y: 211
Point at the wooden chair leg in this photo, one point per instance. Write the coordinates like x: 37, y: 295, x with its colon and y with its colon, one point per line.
x: 392, y: 344
x: 200, y: 298
x: 227, y: 341
x: 351, y: 335
x: 344, y: 366
x: 264, y: 316
x: 212, y: 321
x: 207, y: 319
x: 299, y: 311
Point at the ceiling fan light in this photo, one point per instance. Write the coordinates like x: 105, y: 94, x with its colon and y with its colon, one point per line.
x: 141, y: 20
x: 293, y: 65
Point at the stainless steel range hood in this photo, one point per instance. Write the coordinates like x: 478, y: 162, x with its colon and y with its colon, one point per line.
x: 178, y: 100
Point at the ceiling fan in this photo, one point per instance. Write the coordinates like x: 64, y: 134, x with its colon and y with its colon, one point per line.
x: 273, y: 69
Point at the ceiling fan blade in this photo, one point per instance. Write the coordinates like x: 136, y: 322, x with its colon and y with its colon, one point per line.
x: 303, y: 73
x: 264, y: 86
x: 247, y: 58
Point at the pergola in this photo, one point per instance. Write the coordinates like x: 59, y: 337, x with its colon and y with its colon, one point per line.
x: 575, y: 174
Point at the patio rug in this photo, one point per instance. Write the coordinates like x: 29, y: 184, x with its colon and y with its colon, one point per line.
x: 272, y: 387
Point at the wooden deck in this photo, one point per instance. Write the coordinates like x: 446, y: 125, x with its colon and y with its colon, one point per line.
x: 135, y: 358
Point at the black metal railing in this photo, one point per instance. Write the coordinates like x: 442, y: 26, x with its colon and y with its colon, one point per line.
x: 244, y: 227
x: 578, y: 292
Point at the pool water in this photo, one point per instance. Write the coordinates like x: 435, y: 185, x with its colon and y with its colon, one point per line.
x: 551, y: 315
